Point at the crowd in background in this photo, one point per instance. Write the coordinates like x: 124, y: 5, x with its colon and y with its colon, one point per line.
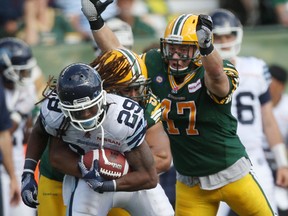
x: 55, y: 21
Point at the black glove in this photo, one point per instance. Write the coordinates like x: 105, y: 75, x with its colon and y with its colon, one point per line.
x: 29, y: 187
x: 204, y: 34
x: 93, y: 9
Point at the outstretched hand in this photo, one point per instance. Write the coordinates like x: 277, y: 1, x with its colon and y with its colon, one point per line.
x: 92, y: 9
x: 204, y: 30
x: 101, y: 6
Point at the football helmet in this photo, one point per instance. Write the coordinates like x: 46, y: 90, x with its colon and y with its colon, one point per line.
x: 137, y: 78
x: 16, y: 61
x: 226, y: 23
x: 181, y: 31
x: 82, y: 98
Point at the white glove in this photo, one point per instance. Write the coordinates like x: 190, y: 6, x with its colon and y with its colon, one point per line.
x: 93, y: 9
x: 89, y: 10
x: 204, y: 34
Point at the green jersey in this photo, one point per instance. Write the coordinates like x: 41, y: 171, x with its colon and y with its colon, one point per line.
x: 200, y: 126
x: 47, y: 170
x: 152, y: 116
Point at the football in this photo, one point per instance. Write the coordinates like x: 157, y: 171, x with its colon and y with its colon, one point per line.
x: 112, y: 164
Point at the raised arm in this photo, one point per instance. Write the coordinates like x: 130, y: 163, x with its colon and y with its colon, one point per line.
x: 103, y: 36
x: 216, y: 79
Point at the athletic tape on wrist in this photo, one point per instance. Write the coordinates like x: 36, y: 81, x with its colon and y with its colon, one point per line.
x: 16, y: 117
x: 206, y: 51
x: 280, y: 154
x: 97, y: 24
x: 30, y: 165
x: 108, y: 186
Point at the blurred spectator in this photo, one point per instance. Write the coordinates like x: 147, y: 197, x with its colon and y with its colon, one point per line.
x: 246, y: 10
x: 258, y: 12
x: 126, y: 13
x: 46, y: 25
x: 11, y: 14
x: 72, y: 11
x: 280, y: 103
x: 281, y: 8
x: 36, y: 19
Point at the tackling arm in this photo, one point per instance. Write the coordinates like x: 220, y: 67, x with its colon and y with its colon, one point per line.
x: 59, y: 150
x: 37, y: 141
x: 143, y: 175
x: 140, y: 159
x: 159, y: 144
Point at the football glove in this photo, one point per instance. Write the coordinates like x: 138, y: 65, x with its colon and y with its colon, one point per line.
x: 29, y: 190
x: 92, y: 9
x: 29, y: 187
x: 94, y: 179
x: 204, y: 34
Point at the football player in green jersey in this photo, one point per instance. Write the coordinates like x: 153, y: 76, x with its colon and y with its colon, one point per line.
x: 195, y: 87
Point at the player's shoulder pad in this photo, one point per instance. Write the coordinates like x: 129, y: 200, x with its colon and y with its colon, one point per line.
x: 152, y: 54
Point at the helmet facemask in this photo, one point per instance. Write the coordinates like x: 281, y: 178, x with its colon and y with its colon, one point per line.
x: 186, y: 52
x: 81, y: 95
x: 180, y: 38
x: 141, y: 89
x: 226, y: 24
x: 96, y: 107
x: 231, y: 49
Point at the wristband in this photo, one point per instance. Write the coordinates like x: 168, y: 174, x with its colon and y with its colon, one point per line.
x: 30, y: 165
x: 279, y: 151
x: 96, y: 24
x: 108, y: 186
x: 206, y: 51
x: 16, y: 117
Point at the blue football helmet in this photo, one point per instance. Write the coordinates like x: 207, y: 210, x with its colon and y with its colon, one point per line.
x: 16, y: 61
x: 82, y: 98
x: 226, y: 23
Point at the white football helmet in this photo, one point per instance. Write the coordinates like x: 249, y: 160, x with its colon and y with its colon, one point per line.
x: 226, y: 23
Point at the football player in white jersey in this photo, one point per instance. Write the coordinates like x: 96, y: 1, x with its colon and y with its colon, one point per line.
x: 251, y: 103
x: 91, y: 119
x: 279, y: 98
x: 16, y: 63
x: 143, y: 208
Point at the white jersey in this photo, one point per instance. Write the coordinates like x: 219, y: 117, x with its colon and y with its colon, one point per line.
x: 124, y: 125
x: 252, y: 92
x: 124, y: 129
x: 248, y: 98
x: 21, y: 100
